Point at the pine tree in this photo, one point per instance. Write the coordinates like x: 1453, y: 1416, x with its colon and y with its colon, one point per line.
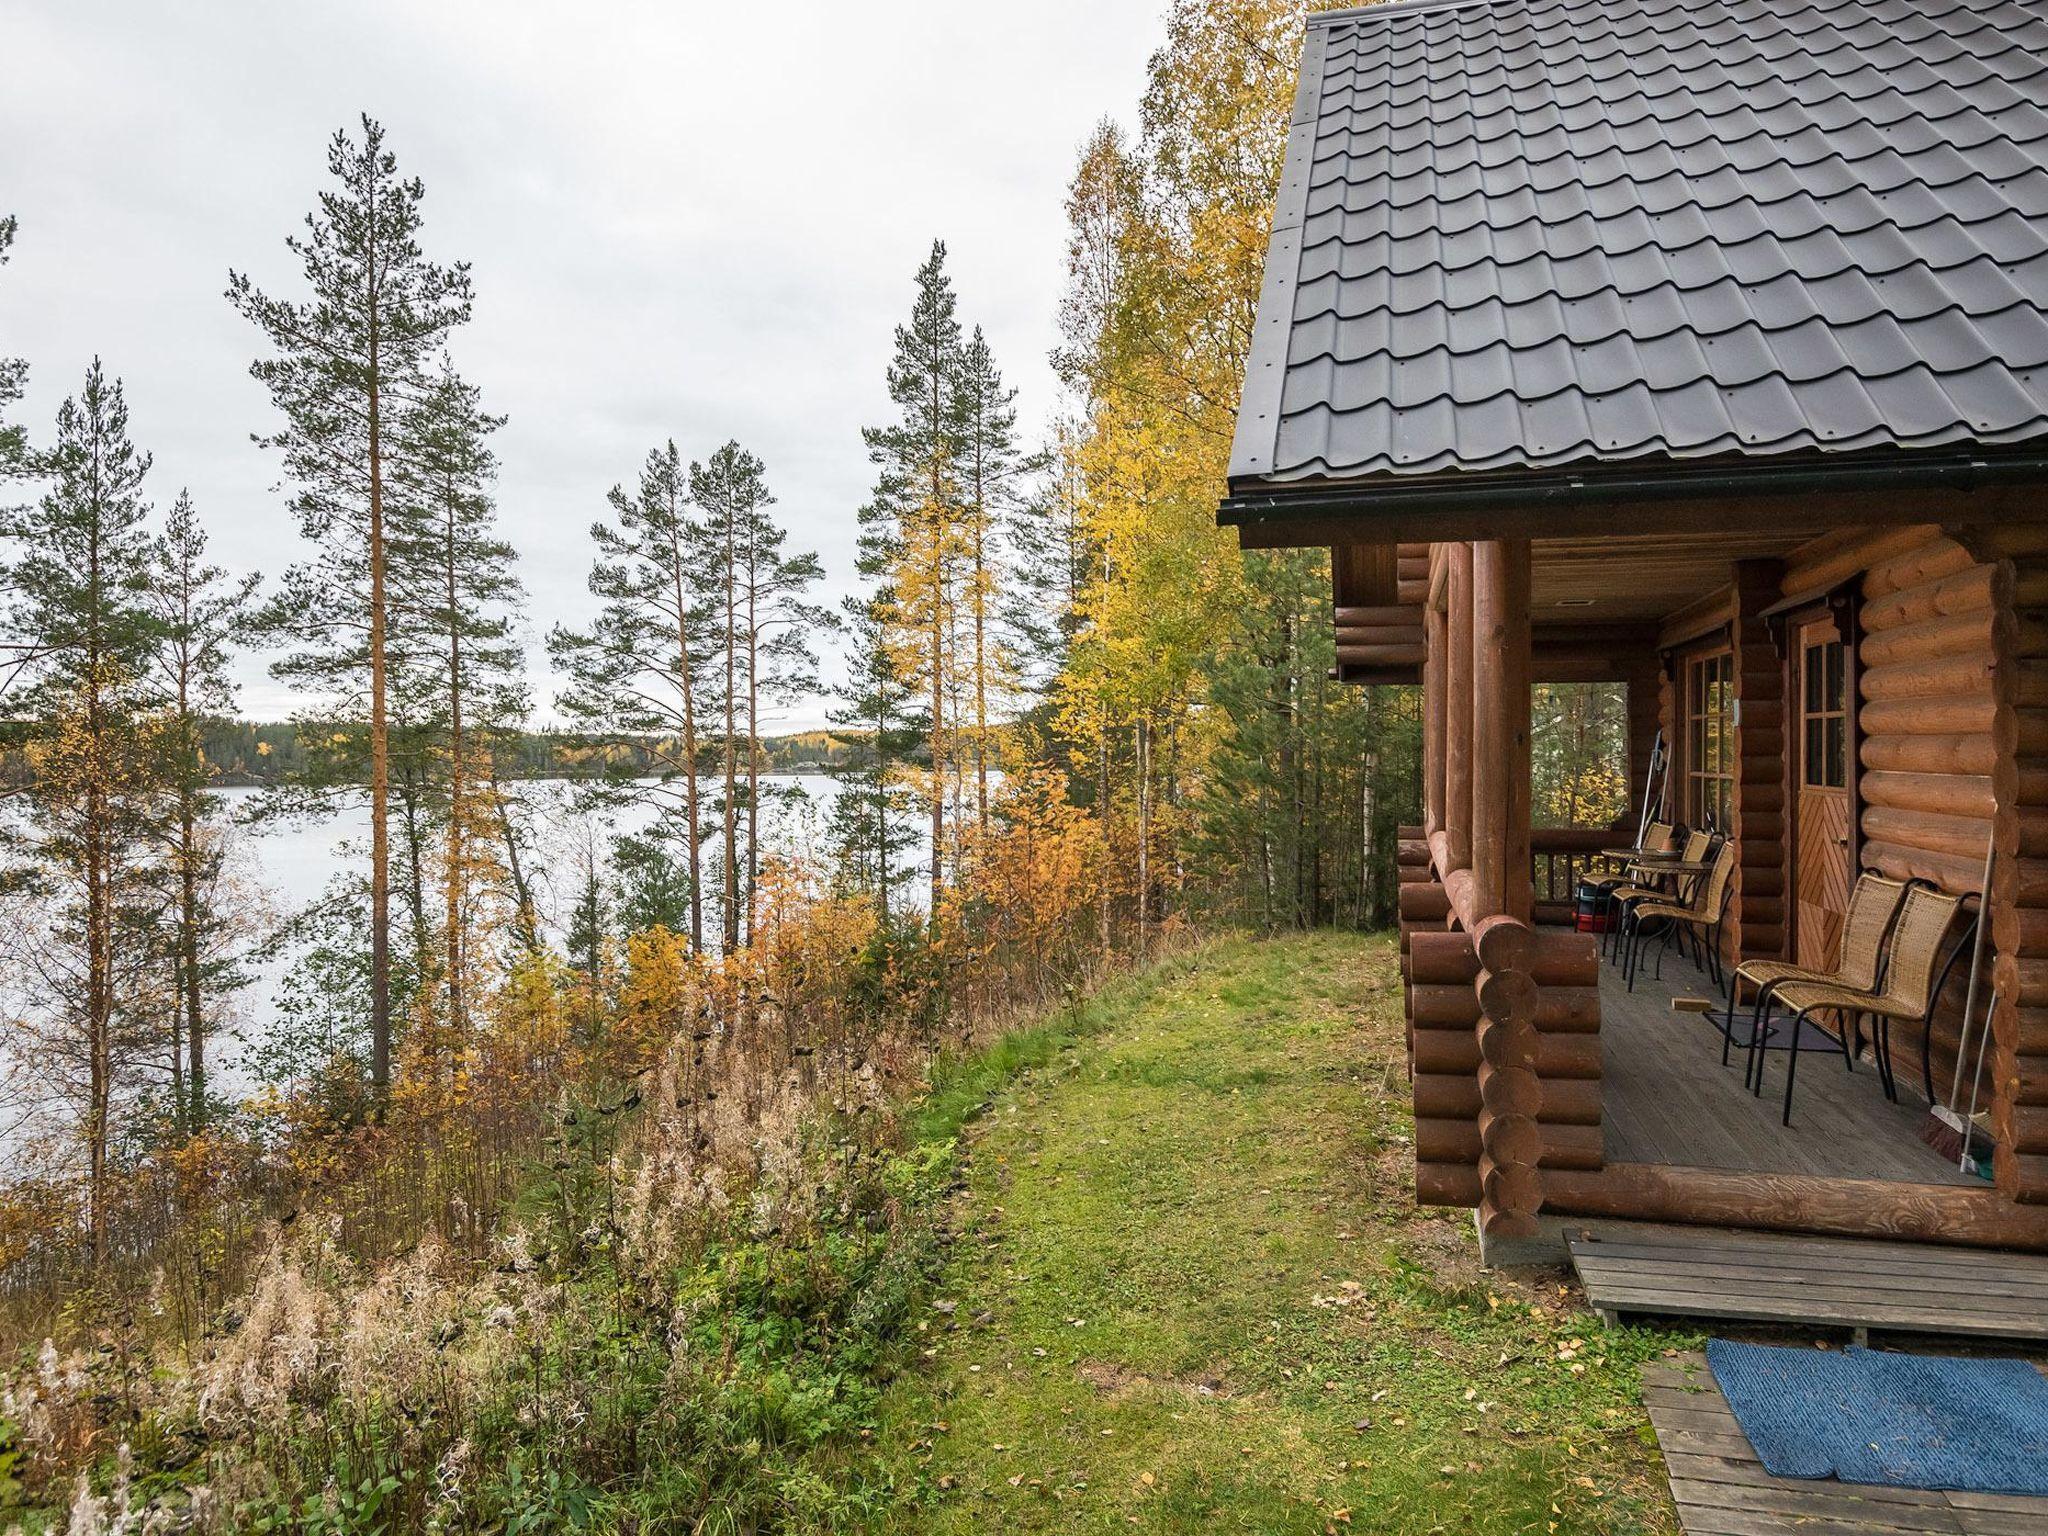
x: 459, y: 622
x: 917, y: 501
x: 753, y: 590
x: 637, y: 677
x: 349, y: 362
x: 200, y: 613
x: 781, y: 664
x: 77, y: 596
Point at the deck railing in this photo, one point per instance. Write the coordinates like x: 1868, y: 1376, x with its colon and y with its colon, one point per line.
x: 1558, y: 857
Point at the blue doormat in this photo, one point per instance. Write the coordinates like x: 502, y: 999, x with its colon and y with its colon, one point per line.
x: 1904, y: 1421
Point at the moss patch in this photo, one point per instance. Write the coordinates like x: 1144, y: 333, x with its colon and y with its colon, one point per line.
x: 1188, y: 1288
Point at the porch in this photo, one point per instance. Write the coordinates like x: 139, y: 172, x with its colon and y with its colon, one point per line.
x: 1668, y: 1100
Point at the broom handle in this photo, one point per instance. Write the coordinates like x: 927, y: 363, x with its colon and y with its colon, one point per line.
x: 1955, y: 1087
x: 1976, y: 1083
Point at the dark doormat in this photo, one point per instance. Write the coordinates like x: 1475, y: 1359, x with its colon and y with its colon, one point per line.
x: 1904, y: 1421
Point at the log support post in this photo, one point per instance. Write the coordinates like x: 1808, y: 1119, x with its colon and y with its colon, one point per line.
x: 1756, y: 927
x: 1504, y: 1020
x: 1457, y: 708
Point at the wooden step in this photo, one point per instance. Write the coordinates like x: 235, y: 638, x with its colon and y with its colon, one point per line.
x: 1721, y: 1489
x: 1638, y: 1268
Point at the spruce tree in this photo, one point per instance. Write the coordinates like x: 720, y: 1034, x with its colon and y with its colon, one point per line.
x: 200, y: 613
x: 993, y: 471
x: 348, y: 362
x: 917, y: 505
x: 77, y: 596
x: 638, y: 675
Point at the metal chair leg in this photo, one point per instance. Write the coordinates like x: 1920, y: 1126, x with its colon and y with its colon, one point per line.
x: 1792, y: 1063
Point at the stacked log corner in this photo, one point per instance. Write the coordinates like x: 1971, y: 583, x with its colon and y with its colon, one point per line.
x: 1379, y: 593
x: 2019, y: 897
x: 1503, y: 1018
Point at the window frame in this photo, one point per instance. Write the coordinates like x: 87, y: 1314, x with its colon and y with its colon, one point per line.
x: 1707, y: 735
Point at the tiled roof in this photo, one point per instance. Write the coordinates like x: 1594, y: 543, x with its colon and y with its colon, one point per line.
x: 1519, y: 234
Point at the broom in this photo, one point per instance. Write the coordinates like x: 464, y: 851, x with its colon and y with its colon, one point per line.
x: 1947, y: 1128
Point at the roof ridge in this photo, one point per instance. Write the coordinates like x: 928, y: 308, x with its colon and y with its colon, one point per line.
x: 1389, y: 8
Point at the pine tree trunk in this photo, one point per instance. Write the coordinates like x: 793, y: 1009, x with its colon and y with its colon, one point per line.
x: 188, y: 953
x: 1143, y: 744
x: 938, y: 706
x: 980, y: 658
x: 731, y: 914
x: 753, y: 746
x: 685, y: 670
x: 380, y: 744
x: 458, y: 809
x: 528, y: 924
x: 98, y: 924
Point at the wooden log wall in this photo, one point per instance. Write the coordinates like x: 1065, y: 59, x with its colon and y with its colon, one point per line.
x: 1380, y: 592
x: 1931, y: 740
x: 1953, y: 720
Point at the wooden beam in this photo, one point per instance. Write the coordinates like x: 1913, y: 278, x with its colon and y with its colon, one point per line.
x: 1696, y: 619
x: 1365, y: 575
x: 1794, y: 1202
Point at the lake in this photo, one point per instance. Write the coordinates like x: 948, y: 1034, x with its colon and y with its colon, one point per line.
x: 288, y: 865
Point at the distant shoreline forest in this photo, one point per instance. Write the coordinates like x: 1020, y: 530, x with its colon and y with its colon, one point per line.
x: 256, y: 754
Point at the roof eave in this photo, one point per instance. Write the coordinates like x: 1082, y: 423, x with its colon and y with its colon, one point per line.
x: 1576, y: 500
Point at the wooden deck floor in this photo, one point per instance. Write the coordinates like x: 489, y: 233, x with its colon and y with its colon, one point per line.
x: 1669, y: 1099
x: 1723, y: 1490
x: 1639, y: 1268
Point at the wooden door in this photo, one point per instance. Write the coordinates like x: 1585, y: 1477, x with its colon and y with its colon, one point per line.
x: 1821, y: 810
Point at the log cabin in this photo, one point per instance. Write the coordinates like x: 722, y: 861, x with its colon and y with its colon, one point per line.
x: 1698, y: 347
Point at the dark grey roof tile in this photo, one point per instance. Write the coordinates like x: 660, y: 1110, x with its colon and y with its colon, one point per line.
x: 1532, y: 232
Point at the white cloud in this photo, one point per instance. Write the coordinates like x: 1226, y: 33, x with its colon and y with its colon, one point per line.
x: 685, y: 220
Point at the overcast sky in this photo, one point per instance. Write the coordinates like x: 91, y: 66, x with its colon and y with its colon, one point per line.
x: 685, y: 220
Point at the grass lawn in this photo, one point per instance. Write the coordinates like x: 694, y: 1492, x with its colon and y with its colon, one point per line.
x: 1188, y: 1289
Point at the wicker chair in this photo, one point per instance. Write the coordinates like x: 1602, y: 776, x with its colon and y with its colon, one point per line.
x: 1699, y: 915
x: 1858, y: 962
x: 1914, y: 974
x: 1646, y: 887
x: 1658, y: 837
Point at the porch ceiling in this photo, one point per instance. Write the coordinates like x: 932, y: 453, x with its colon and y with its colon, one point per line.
x: 1619, y: 578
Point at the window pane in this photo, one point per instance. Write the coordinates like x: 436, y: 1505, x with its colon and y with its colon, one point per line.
x: 1811, y: 770
x: 1813, y: 679
x: 1836, y: 669
x: 1838, y: 752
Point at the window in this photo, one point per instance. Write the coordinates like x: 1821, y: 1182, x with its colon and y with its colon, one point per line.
x: 1824, y: 758
x: 1710, y: 740
x: 1578, y: 754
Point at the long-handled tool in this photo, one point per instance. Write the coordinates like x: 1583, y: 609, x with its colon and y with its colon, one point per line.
x: 1976, y: 1084
x: 1947, y: 1130
x: 1649, y: 781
